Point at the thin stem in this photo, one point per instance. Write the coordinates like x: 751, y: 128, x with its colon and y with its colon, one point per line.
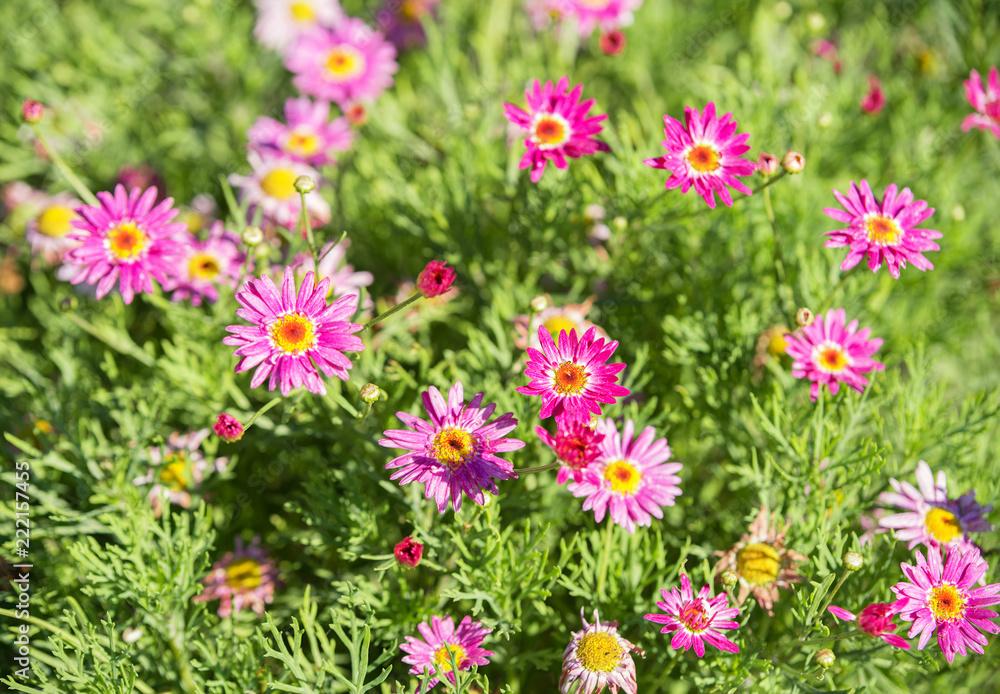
x: 539, y: 468
x: 304, y: 217
x: 395, y: 309
x: 829, y: 639
x: 833, y: 292
x: 261, y: 411
x: 785, y: 293
x: 81, y: 190
x: 605, y: 555
x: 766, y: 184
x: 829, y: 596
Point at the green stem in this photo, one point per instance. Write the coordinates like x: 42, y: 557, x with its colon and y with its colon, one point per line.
x: 304, y: 217
x: 764, y: 186
x: 81, y: 190
x: 602, y: 574
x: 48, y: 626
x: 395, y: 309
x: 829, y: 639
x: 115, y: 342
x: 833, y: 292
x: 261, y: 411
x: 785, y: 293
x: 539, y: 468
x: 829, y: 596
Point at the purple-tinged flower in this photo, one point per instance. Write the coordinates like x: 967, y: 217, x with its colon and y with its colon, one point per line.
x: 940, y: 599
x: 598, y: 657
x: 630, y: 477
x: 435, y: 279
x: 271, y: 185
x: 573, y: 375
x: 695, y: 621
x: 280, y: 22
x: 930, y: 518
x: 576, y: 445
x: 704, y: 152
x: 876, y: 621
x: 874, y: 100
x: 986, y: 102
x: 126, y: 240
x: 442, y: 642
x: 408, y: 552
x: 401, y: 22
x: 245, y: 577
x: 294, y: 335
x: 309, y: 137
x: 557, y: 125
x: 50, y: 233
x: 828, y: 352
x: 228, y: 428
x: 205, y: 265
x: 885, y: 232
x: 178, y: 468
x: 456, y: 451
x: 347, y: 63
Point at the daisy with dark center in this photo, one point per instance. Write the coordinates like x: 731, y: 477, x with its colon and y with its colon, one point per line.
x: 557, y: 125
x: 875, y: 620
x: 442, y: 642
x: 762, y: 562
x: 986, y: 102
x: 573, y: 375
x: 930, y: 517
x: 598, y: 657
x: 575, y: 445
x: 696, y: 620
x: 704, y: 153
x: 294, y: 335
x: 939, y: 598
x: 245, y: 577
x: 205, y: 265
x: 456, y: 451
x: 309, y: 137
x: 630, y: 477
x: 884, y: 231
x: 126, y: 239
x: 828, y: 352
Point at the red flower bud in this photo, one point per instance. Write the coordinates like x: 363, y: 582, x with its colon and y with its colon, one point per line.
x: 408, y: 552
x: 435, y: 279
x: 32, y: 111
x: 228, y: 428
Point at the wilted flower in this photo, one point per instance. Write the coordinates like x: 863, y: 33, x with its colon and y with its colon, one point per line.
x: 696, y: 620
x: 435, y: 279
x: 228, y: 428
x: 245, y: 577
x: 178, y: 468
x: 770, y: 345
x: 442, y: 642
x: 408, y: 552
x: 876, y: 621
x: 598, y: 657
x: 986, y: 102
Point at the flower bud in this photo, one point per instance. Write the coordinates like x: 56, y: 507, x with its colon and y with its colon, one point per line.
x: 357, y: 114
x: 825, y: 658
x: 958, y: 213
x: 620, y: 223
x: 539, y: 303
x: 68, y: 303
x: 613, y: 42
x: 252, y: 236
x: 408, y: 552
x: 767, y: 164
x: 804, y: 317
x: 262, y: 251
x: 32, y: 111
x: 305, y: 184
x: 228, y: 428
x: 435, y: 279
x: 793, y: 162
x: 370, y: 393
x: 824, y: 120
x: 729, y: 578
x: 853, y: 561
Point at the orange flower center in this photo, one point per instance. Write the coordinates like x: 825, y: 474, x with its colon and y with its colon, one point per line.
x: 303, y: 12
x: 203, y: 266
x: 279, y: 183
x: 344, y: 62
x: 946, y: 603
x: 244, y: 574
x: 883, y: 230
x: 453, y: 447
x: 55, y: 221
x: 599, y: 651
x: 623, y: 477
x: 943, y: 525
x: 703, y: 158
x: 759, y: 563
x: 695, y: 616
x: 550, y: 131
x: 570, y: 378
x: 831, y: 357
x: 305, y: 144
x: 293, y: 333
x: 126, y: 241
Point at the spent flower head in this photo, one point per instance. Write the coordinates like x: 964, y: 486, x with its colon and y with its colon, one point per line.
x: 245, y: 577
x: 598, y: 657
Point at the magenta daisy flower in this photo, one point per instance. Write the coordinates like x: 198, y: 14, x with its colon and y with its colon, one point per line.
x: 985, y: 101
x: 125, y: 239
x: 940, y: 598
x: 271, y: 185
x: 573, y: 375
x: 204, y: 265
x: 696, y: 620
x: 245, y: 577
x: 885, y: 231
x: 598, y: 657
x: 557, y: 125
x: 705, y: 152
x: 309, y: 137
x: 929, y: 517
x: 630, y: 477
x: 456, y: 451
x: 350, y: 62
x: 293, y: 334
x: 442, y: 641
x: 828, y: 352
x: 876, y: 621
x: 576, y: 445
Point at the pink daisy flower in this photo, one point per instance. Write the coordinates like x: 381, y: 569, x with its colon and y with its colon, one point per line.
x: 885, y: 231
x: 442, y: 641
x: 829, y: 353
x: 705, y: 153
x: 985, y: 101
x: 271, y: 185
x: 350, y: 62
x: 293, y: 334
x: 309, y: 137
x: 50, y: 233
x: 876, y: 621
x: 576, y: 445
x: 178, y: 469
x: 940, y: 598
x: 630, y: 477
x: 929, y: 517
x: 696, y: 620
x: 607, y: 15
x: 557, y: 125
x: 204, y: 265
x: 125, y: 239
x: 245, y: 577
x: 598, y: 657
x: 573, y: 375
x: 456, y: 451
x: 280, y: 22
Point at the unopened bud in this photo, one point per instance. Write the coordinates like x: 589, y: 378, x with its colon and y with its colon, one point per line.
x: 539, y: 303
x: 804, y: 317
x: 620, y: 223
x: 305, y: 184
x: 729, y: 578
x: 370, y: 393
x: 32, y: 111
x: 252, y: 236
x: 793, y: 162
x: 262, y: 251
x: 958, y: 213
x: 767, y: 164
x: 825, y: 658
x: 853, y: 561
x: 356, y: 114
x: 613, y: 42
x: 68, y: 303
x: 824, y: 120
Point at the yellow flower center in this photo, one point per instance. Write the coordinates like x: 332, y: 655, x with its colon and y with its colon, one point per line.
x: 557, y: 324
x: 126, y: 241
x: 883, y: 231
x: 203, y: 266
x: 303, y: 12
x: 292, y: 333
x: 442, y: 662
x: 599, y: 651
x: 413, y: 9
x: 946, y: 603
x: 777, y: 345
x: 243, y: 574
x: 623, y: 476
x: 279, y: 183
x: 943, y: 525
x: 694, y: 616
x: 305, y: 144
x: 831, y: 357
x: 758, y: 563
x: 569, y: 378
x: 55, y: 221
x: 703, y: 158
x: 550, y: 131
x: 453, y: 447
x: 44, y: 426
x: 344, y: 62
x: 174, y: 475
